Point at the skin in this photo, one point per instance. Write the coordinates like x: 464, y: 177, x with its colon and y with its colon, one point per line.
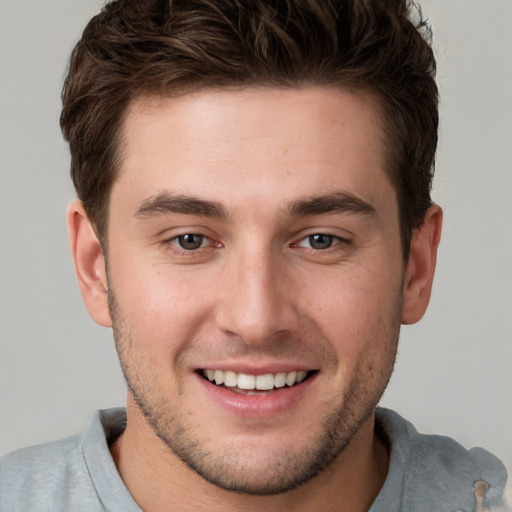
x: 272, y: 167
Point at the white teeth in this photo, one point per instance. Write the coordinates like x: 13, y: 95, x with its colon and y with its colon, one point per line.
x: 245, y: 381
x: 265, y: 382
x: 279, y: 380
x: 255, y: 382
x: 301, y: 376
x: 230, y: 379
x: 219, y: 377
x: 291, y: 378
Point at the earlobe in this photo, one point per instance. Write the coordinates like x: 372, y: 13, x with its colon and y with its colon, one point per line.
x: 89, y: 264
x: 421, y: 265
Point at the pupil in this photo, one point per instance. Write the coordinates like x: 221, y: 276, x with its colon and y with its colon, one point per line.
x: 320, y: 241
x: 190, y: 241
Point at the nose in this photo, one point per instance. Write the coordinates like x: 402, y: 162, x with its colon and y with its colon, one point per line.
x: 256, y: 300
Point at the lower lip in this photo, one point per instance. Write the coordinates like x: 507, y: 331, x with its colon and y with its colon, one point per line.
x: 261, y: 405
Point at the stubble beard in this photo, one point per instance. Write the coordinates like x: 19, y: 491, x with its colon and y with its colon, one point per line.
x: 284, y: 471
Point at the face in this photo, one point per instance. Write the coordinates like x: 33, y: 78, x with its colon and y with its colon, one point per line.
x: 255, y: 278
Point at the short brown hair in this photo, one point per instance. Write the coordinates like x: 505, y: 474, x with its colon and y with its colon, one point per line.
x: 168, y: 47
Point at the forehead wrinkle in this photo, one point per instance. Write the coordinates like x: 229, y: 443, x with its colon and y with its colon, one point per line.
x: 165, y: 202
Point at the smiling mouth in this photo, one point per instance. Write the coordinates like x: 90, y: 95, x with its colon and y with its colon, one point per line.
x: 255, y: 384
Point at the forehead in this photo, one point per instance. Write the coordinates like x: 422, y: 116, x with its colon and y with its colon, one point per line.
x: 250, y: 143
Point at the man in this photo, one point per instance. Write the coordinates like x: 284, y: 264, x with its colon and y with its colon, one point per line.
x: 254, y: 221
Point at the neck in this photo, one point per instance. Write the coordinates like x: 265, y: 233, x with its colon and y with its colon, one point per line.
x: 159, y: 481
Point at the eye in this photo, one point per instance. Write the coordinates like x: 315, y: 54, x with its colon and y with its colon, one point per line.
x: 319, y: 241
x: 190, y: 241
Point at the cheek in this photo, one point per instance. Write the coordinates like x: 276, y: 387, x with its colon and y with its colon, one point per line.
x: 355, y: 309
x: 158, y: 307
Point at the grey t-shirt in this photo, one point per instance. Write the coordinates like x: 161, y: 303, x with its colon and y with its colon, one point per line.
x: 426, y: 473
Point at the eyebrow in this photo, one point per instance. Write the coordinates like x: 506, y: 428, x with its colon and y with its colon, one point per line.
x: 337, y: 202
x: 189, y: 205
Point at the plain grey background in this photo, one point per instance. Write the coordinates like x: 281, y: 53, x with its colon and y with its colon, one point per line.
x: 454, y: 371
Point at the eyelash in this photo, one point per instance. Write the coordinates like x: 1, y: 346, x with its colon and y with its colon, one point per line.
x: 177, y: 240
x: 331, y: 242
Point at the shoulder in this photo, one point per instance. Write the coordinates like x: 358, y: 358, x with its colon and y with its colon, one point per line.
x: 33, y: 478
x: 58, y: 475
x: 29, y: 463
x: 432, y: 469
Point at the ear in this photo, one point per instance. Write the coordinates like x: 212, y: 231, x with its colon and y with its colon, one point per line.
x: 421, y: 265
x: 89, y: 264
